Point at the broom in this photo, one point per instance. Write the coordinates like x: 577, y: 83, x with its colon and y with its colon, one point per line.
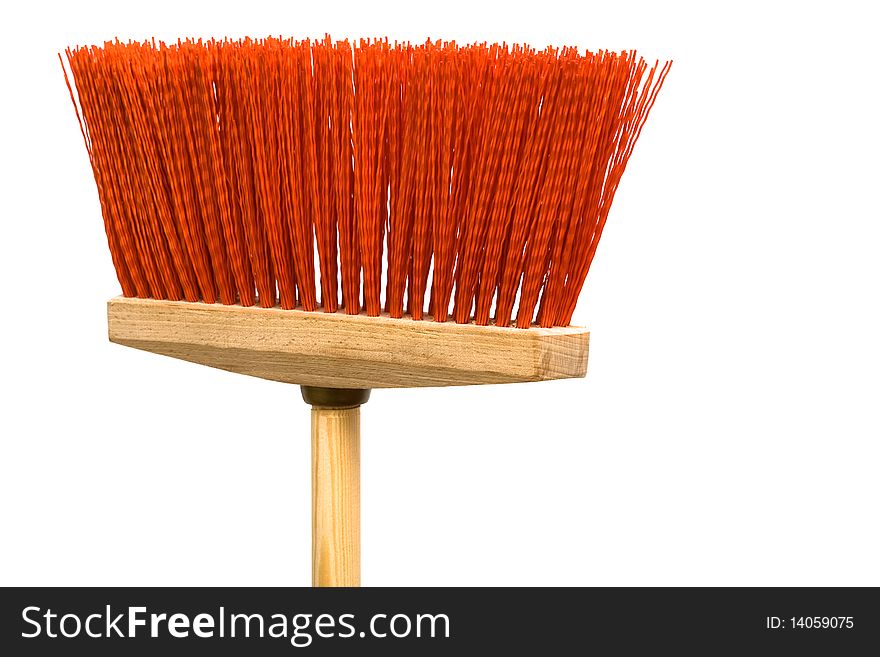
x: 355, y: 216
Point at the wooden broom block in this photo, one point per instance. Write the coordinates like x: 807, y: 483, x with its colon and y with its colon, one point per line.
x: 336, y: 350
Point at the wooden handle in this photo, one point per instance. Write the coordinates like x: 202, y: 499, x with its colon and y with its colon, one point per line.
x: 336, y: 496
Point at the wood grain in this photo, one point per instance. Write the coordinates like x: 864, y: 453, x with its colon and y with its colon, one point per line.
x: 344, y: 351
x: 336, y: 509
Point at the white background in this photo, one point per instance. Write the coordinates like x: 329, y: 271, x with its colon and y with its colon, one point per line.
x: 727, y: 431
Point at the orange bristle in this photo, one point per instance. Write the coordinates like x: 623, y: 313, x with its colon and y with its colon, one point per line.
x: 260, y: 171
